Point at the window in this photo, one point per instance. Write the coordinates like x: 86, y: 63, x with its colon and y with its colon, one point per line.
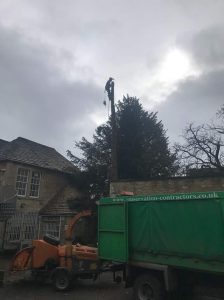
x: 35, y: 184
x: 51, y: 226
x: 25, y: 177
x: 22, y: 181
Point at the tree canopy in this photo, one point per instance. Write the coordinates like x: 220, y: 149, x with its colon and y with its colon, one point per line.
x: 142, y: 148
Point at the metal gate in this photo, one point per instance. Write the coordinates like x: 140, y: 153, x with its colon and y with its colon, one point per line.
x: 21, y: 229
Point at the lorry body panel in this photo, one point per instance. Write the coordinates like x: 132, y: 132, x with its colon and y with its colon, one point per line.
x: 180, y: 230
x: 112, y: 232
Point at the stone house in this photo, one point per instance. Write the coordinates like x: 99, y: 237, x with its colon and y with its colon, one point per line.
x: 32, y: 176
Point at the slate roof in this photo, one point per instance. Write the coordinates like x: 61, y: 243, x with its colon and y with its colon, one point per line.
x: 58, y: 205
x: 22, y: 150
x: 3, y: 143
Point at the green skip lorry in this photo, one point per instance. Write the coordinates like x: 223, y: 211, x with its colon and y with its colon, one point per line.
x: 163, y: 239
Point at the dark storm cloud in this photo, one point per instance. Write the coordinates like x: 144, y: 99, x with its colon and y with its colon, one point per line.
x: 95, y: 39
x: 37, y: 101
x: 207, y: 47
x: 196, y: 100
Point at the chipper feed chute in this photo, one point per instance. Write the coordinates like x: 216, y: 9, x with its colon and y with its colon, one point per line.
x: 22, y: 260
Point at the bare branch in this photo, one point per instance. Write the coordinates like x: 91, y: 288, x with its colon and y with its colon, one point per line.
x: 203, y: 146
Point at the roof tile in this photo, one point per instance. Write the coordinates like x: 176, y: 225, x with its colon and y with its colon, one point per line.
x: 29, y: 152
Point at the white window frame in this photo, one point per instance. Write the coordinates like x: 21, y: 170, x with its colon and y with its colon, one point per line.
x: 34, y: 184
x: 21, y: 181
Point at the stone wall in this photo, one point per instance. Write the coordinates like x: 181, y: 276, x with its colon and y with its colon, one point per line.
x: 51, y: 183
x: 168, y: 186
x: 2, y: 172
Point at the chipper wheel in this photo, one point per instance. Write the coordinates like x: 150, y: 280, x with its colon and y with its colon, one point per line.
x: 148, y: 287
x: 61, y: 280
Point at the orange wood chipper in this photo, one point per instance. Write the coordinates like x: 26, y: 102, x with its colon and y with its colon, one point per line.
x: 62, y: 263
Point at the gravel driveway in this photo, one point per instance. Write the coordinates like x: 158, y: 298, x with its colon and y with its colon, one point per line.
x: 102, y: 289
x: 20, y: 287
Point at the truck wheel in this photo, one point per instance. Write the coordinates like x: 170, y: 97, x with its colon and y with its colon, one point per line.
x: 147, y: 287
x: 61, y: 280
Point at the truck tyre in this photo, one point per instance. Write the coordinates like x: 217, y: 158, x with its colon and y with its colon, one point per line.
x: 147, y: 287
x: 50, y: 239
x: 61, y: 280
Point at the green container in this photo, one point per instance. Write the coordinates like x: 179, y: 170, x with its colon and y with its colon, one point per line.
x: 180, y: 230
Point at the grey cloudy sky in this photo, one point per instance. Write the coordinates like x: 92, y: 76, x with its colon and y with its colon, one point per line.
x: 55, y: 57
